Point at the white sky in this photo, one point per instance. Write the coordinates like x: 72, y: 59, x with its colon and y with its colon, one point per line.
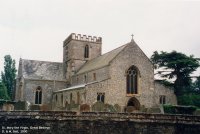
x: 35, y: 29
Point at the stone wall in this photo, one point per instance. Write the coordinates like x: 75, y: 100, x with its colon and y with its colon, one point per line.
x: 98, y: 123
x: 101, y: 74
x: 131, y: 55
x: 47, y: 86
x: 98, y: 87
x: 161, y: 90
x: 75, y: 97
x: 87, y: 95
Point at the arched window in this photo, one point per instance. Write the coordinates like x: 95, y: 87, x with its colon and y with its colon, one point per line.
x: 131, y: 80
x: 38, y: 95
x: 86, y: 54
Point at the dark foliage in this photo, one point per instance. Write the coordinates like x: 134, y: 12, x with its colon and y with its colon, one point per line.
x: 178, y: 66
x: 3, y: 92
x: 9, y: 74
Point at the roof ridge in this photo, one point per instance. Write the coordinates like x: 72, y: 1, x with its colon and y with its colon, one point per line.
x: 41, y: 61
x: 107, y: 52
x: 102, y: 57
x: 112, y: 50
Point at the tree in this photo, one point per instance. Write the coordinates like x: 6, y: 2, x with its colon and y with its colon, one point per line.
x: 9, y: 74
x: 3, y: 92
x: 177, y: 66
x: 197, y: 84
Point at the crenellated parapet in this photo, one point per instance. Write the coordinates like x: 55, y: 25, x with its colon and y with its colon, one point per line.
x: 86, y: 38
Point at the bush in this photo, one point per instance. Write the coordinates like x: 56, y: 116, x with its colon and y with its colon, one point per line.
x: 20, y: 105
x: 189, y: 100
x: 185, y: 109
x: 197, y: 112
x: 196, y: 100
x: 179, y: 109
x: 169, y: 109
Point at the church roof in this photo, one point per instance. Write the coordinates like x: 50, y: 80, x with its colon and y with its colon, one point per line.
x: 100, y: 61
x: 70, y: 88
x: 32, y: 69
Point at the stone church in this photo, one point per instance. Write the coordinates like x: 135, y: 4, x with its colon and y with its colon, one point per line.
x: 87, y: 80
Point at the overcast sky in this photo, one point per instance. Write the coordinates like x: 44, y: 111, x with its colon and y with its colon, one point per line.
x: 36, y: 29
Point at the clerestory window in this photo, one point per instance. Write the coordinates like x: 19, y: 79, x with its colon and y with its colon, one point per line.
x: 94, y: 76
x: 62, y: 99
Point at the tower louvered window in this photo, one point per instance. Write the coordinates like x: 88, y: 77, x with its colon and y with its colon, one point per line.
x: 86, y: 54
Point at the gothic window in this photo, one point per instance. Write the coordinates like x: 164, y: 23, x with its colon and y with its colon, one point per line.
x: 100, y: 97
x: 86, y: 54
x: 94, y: 76
x: 131, y: 80
x: 38, y: 95
x: 162, y: 99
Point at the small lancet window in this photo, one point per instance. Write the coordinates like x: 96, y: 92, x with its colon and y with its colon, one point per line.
x: 85, y: 78
x: 86, y: 54
x: 94, y: 76
x: 38, y: 95
x: 131, y: 80
x: 162, y: 99
x: 100, y: 97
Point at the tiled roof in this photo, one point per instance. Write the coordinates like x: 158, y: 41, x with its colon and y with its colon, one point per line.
x: 32, y: 69
x: 100, y: 61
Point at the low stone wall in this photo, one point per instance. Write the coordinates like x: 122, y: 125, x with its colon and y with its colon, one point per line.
x: 60, y: 122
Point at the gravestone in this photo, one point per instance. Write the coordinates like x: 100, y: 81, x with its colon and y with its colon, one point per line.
x: 117, y: 108
x: 130, y: 109
x: 109, y: 108
x: 98, y: 106
x: 84, y: 108
x: 35, y: 107
x: 21, y: 105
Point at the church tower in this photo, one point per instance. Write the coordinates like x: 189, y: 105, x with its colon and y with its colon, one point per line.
x: 77, y: 50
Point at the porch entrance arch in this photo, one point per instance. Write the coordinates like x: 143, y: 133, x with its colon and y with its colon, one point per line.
x: 132, y: 105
